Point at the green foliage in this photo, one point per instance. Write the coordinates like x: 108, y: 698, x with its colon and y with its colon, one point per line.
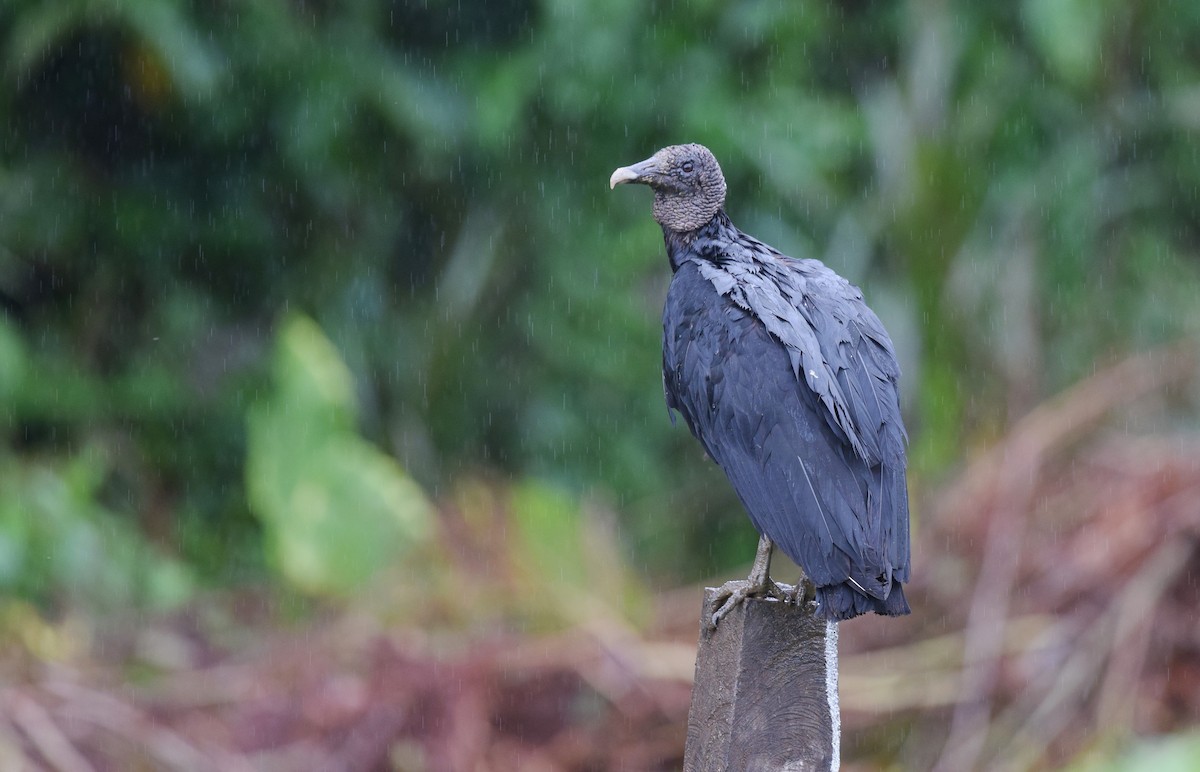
x: 1013, y: 185
x: 1069, y: 35
x: 59, y: 546
x: 62, y: 549
x: 335, y: 509
x: 571, y: 565
x: 12, y: 363
x: 1168, y: 753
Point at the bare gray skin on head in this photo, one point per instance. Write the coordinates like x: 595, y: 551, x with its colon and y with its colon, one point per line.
x: 689, y: 188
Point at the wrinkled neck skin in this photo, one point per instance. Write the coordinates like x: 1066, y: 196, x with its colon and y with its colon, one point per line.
x: 681, y: 244
x: 685, y: 211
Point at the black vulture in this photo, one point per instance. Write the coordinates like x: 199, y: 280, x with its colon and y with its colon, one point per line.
x: 789, y: 381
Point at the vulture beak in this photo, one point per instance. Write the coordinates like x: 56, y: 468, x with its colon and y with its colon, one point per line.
x: 639, y: 172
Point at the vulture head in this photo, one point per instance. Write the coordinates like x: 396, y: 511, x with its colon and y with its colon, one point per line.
x: 689, y: 188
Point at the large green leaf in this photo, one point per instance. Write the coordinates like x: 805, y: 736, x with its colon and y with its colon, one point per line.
x: 335, y: 509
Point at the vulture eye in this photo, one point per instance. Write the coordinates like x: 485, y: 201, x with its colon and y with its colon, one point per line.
x: 687, y: 167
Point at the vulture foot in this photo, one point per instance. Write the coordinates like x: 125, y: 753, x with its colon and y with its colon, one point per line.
x: 758, y: 585
x: 732, y: 594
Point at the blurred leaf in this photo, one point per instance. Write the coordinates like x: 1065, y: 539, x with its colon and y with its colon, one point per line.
x: 1167, y: 753
x: 572, y: 568
x: 164, y: 26
x: 312, y: 379
x: 1070, y: 36
x: 36, y: 29
x: 335, y: 509
x: 58, y: 544
x: 551, y: 535
x: 1172, y: 753
x: 12, y: 363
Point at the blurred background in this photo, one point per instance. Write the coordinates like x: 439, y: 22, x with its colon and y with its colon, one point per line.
x: 333, y: 428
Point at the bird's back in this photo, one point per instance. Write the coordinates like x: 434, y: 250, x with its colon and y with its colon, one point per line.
x: 789, y: 382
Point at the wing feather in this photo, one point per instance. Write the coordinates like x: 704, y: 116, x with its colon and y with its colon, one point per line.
x: 812, y: 477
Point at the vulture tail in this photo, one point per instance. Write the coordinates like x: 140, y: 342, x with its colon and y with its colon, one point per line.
x: 842, y: 601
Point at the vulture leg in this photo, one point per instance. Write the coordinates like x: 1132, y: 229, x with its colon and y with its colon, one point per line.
x: 757, y: 584
x: 803, y: 592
